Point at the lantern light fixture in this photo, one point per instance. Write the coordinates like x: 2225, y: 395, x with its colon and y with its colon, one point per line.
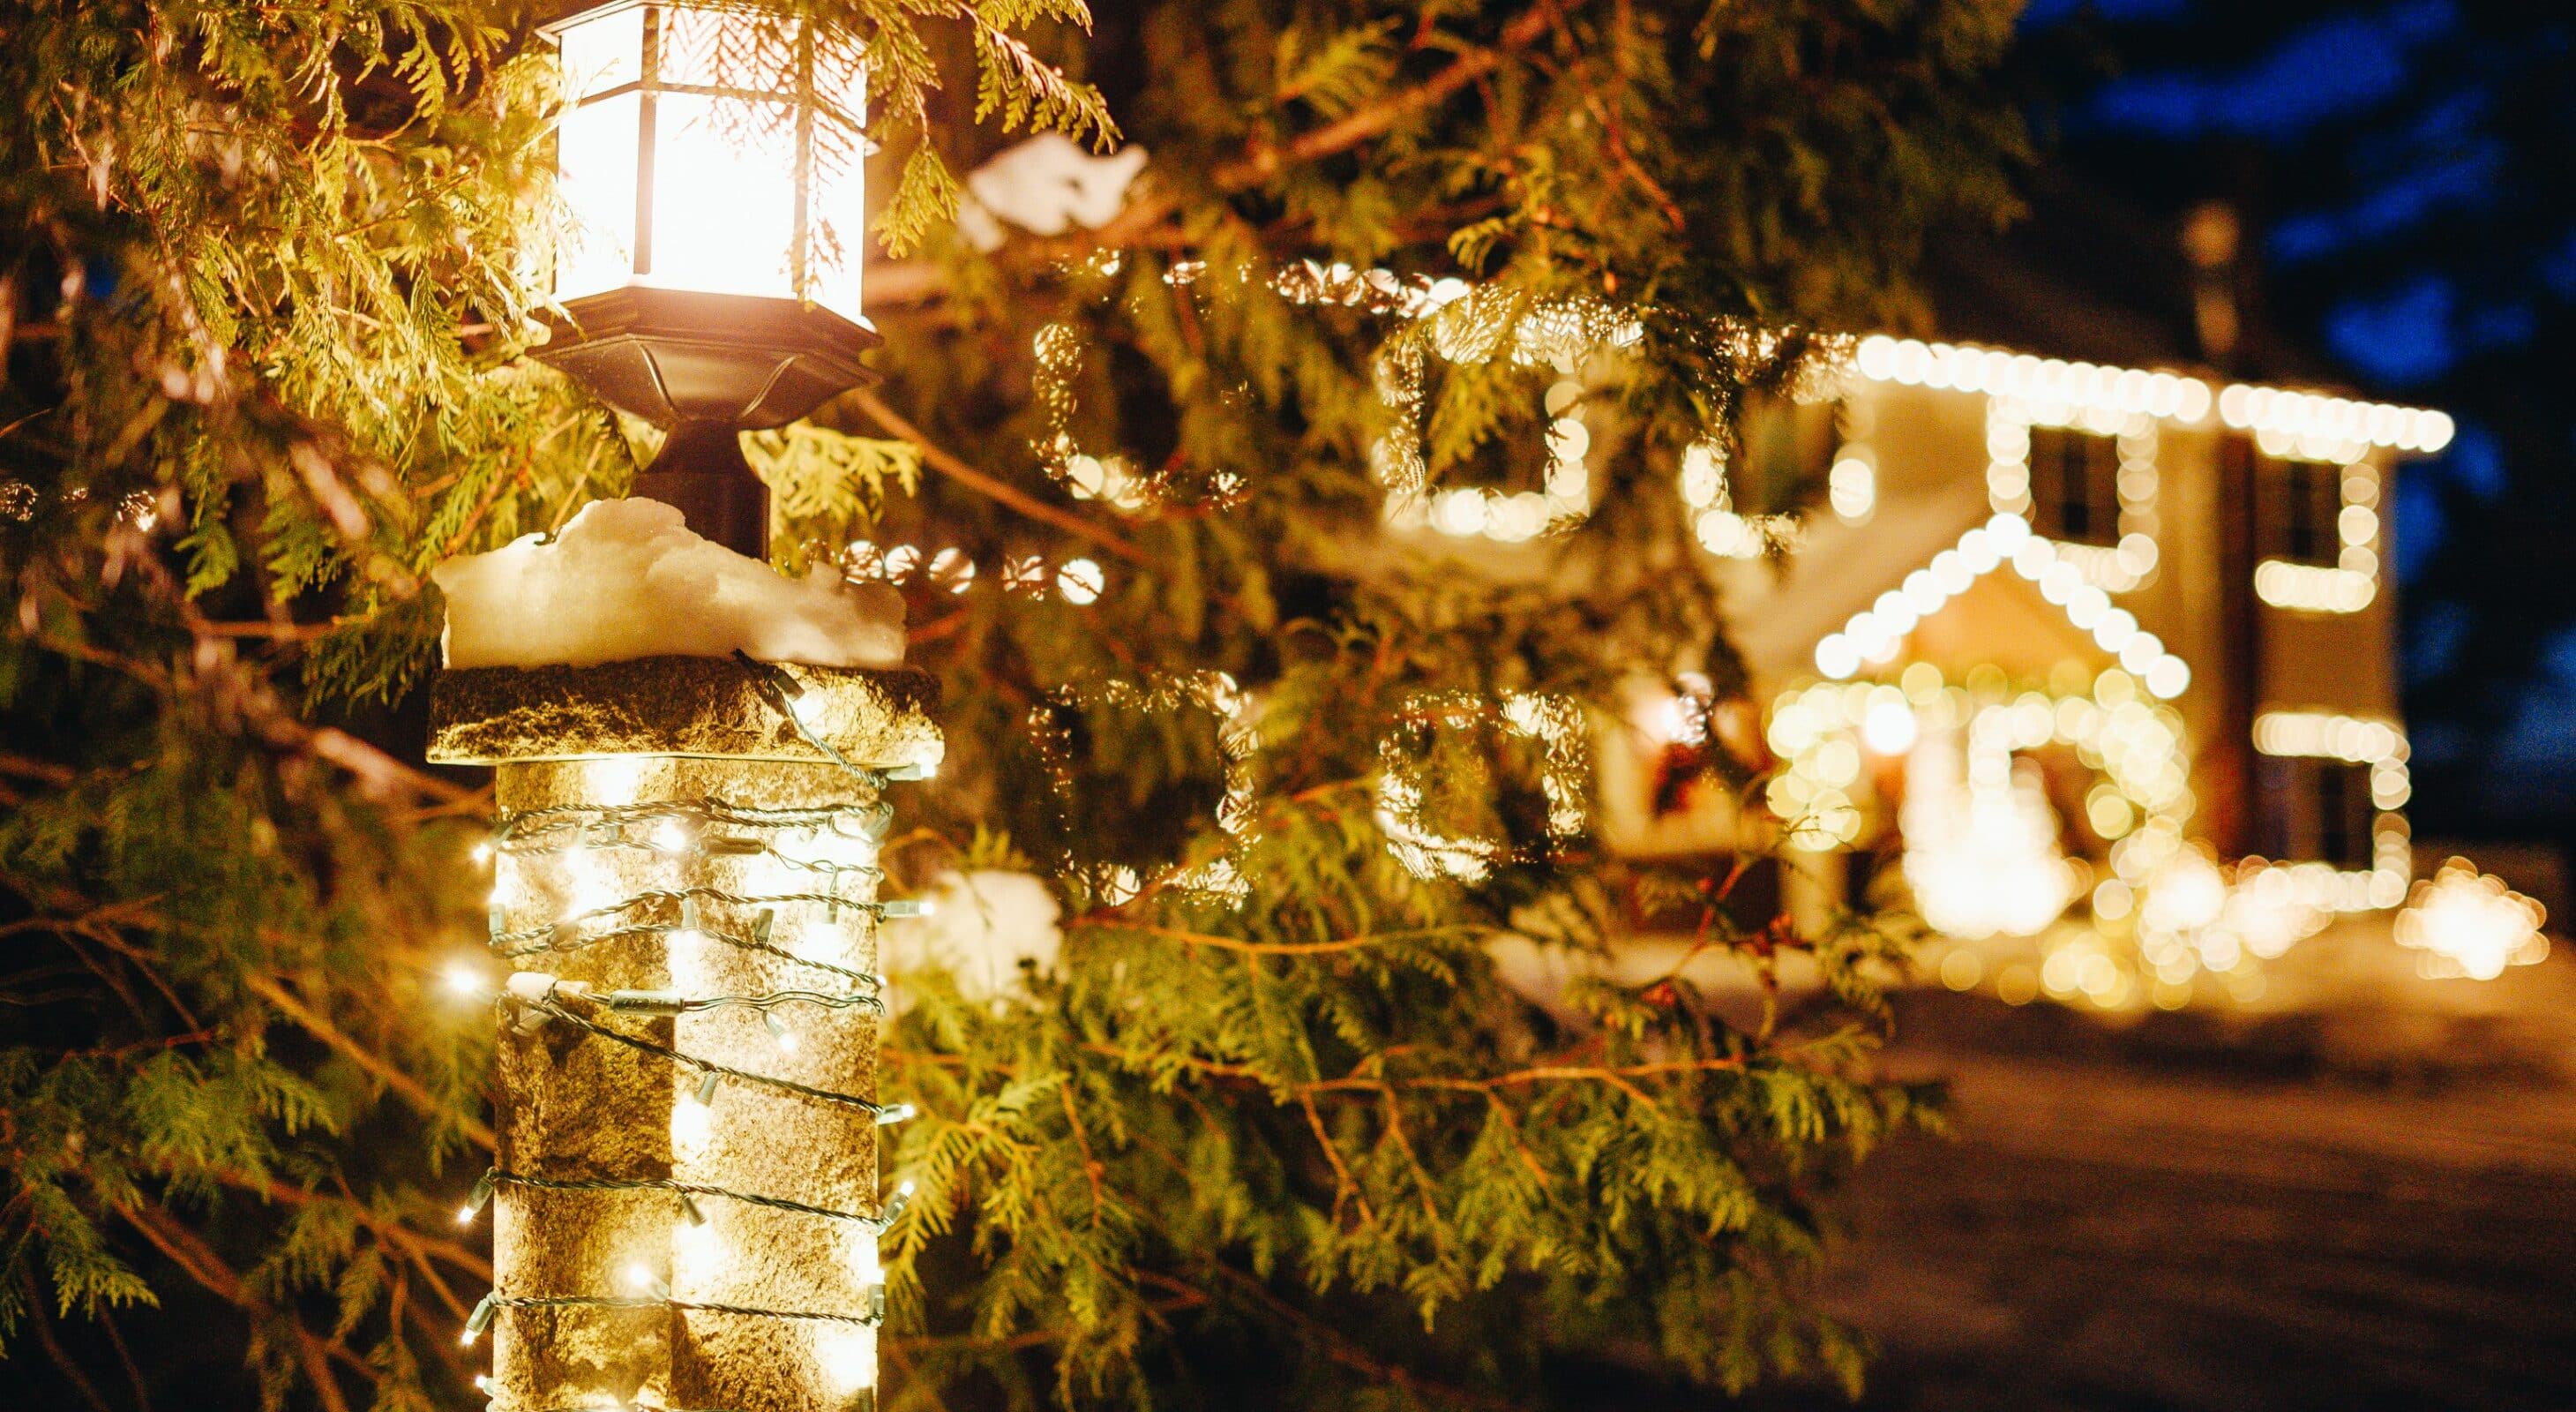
x: 709, y: 161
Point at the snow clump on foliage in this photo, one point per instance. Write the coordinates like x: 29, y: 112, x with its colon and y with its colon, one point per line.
x: 981, y: 927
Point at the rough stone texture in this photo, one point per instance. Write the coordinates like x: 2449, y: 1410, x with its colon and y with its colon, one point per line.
x: 575, y: 1106
x: 709, y: 706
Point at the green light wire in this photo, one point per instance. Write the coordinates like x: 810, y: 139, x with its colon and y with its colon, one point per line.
x: 706, y: 1066
x: 893, y: 1206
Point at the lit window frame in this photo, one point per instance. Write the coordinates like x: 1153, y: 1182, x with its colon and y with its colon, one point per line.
x: 2352, y: 740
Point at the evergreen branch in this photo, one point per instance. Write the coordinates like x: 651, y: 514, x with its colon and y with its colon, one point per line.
x: 410, y: 1089
x: 54, y: 1350
x: 198, y: 1260
x: 922, y: 282
x: 1378, y: 117
x: 992, y: 489
x: 391, y: 1232
x: 1112, y: 923
x: 1342, y: 1350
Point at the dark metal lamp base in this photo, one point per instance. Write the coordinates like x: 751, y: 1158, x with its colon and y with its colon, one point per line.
x: 708, y: 367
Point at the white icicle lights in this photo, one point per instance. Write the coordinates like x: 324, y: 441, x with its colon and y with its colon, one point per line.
x: 608, y: 588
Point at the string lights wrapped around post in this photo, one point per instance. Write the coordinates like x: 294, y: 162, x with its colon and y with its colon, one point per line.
x: 685, y: 1198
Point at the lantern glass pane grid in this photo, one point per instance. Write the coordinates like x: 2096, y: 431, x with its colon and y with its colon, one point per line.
x: 712, y: 150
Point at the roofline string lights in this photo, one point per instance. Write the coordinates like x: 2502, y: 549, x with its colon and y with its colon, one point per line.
x: 1875, y: 636
x: 2063, y: 388
x: 2311, y: 425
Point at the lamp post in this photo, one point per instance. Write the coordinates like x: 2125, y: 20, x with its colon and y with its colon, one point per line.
x: 685, y: 1196
x: 710, y: 166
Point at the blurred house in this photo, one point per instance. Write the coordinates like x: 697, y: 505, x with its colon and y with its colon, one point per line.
x: 2081, y: 640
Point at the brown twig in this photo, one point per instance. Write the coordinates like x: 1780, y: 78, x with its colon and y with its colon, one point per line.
x: 956, y: 469
x: 189, y: 1251
x: 1261, y: 948
x: 320, y: 1027
x: 920, y: 282
x: 54, y: 1350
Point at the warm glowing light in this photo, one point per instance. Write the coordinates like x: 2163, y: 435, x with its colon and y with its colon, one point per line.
x: 2043, y: 381
x: 1473, y: 511
x: 694, y: 157
x: 1851, y: 488
x: 848, y: 1356
x: 1981, y: 854
x: 2470, y: 924
x: 1876, y: 634
x: 2359, y: 741
x: 692, y: 1124
x: 1889, y: 727
x: 466, y: 978
x: 1080, y: 581
x: 2311, y: 589
x: 2331, y: 428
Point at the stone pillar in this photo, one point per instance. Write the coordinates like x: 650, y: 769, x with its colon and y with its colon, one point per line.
x: 685, y: 1195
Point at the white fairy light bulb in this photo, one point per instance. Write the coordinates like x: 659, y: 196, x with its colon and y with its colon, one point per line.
x: 1080, y: 581
x: 695, y: 1247
x: 465, y: 979
x: 693, y: 1122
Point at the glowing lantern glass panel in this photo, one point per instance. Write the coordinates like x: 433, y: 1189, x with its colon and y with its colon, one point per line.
x: 711, y: 150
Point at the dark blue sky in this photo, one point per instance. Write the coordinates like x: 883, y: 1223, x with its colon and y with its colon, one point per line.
x: 2404, y: 170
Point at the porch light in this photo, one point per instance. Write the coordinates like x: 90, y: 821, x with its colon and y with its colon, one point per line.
x: 710, y: 165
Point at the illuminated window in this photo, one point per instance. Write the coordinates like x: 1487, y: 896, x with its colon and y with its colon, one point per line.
x: 2298, y: 503
x: 1788, y: 453
x: 2075, y: 486
x: 2317, y: 808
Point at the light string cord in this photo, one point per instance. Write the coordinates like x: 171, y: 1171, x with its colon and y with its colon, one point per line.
x: 494, y: 1177
x: 512, y: 953
x: 496, y: 1301
x: 556, y: 1009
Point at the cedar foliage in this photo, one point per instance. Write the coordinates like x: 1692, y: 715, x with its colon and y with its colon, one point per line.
x: 265, y: 310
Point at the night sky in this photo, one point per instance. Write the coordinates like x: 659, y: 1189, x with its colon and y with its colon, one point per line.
x: 2402, y: 174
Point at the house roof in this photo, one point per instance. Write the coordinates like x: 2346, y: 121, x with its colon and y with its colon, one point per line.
x: 2031, y: 608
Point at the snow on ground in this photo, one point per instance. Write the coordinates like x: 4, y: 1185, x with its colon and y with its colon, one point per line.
x: 628, y: 579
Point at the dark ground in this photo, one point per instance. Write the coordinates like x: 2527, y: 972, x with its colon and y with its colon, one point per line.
x: 2188, y: 1215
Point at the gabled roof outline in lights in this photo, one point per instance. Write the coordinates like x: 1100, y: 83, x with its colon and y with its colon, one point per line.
x: 2289, y: 423
x: 1876, y: 634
